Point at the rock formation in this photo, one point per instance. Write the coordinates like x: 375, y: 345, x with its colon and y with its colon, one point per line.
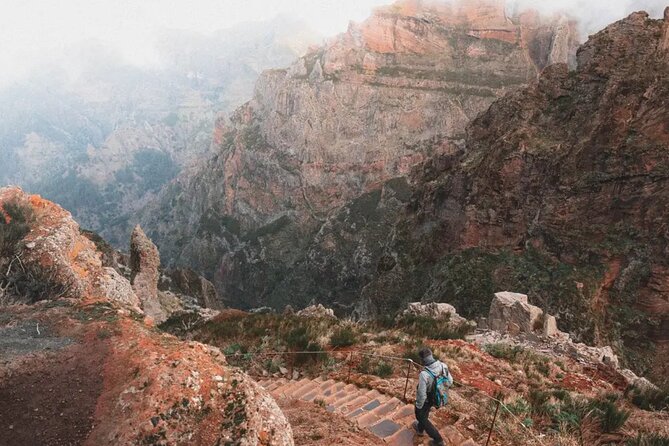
x: 316, y: 311
x: 559, y: 189
x: 342, y: 120
x: 144, y: 267
x: 79, y: 367
x: 435, y: 310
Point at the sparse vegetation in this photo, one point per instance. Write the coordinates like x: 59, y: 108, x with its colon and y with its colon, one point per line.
x: 383, y: 369
x: 648, y: 440
x: 343, y: 337
x: 20, y: 283
x: 648, y: 398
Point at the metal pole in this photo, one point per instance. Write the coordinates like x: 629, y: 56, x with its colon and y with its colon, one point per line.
x: 406, y: 383
x: 494, y: 418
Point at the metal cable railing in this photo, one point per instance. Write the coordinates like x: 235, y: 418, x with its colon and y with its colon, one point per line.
x: 411, y: 363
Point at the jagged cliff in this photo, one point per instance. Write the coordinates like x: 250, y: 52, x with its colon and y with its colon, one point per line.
x: 348, y: 116
x: 560, y: 191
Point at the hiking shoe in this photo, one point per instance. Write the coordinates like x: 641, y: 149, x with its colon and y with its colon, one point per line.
x: 436, y: 443
x: 415, y: 428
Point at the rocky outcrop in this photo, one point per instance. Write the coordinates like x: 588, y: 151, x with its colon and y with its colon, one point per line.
x: 191, y: 286
x: 84, y: 361
x: 54, y: 252
x: 316, y: 311
x: 347, y: 117
x: 435, y: 310
x: 144, y: 273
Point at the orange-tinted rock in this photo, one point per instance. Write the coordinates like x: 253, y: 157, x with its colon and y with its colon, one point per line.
x: 84, y: 369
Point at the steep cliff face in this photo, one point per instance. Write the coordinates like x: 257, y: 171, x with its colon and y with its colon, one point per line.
x: 341, y: 121
x: 557, y: 191
x: 560, y: 191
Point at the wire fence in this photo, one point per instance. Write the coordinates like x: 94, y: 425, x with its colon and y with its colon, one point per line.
x: 411, y: 364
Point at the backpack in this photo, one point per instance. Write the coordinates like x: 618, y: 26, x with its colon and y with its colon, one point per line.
x: 438, y: 394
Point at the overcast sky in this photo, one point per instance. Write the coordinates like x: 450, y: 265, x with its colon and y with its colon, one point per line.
x: 31, y: 31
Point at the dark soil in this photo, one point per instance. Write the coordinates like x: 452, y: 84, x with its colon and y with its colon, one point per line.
x: 52, y: 401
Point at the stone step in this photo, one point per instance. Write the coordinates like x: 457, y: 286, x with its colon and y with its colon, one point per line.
x: 359, y: 402
x: 344, y: 399
x: 385, y: 428
x: 402, y: 411
x: 272, y: 384
x: 343, y: 392
x: 379, y: 412
x: 452, y: 435
x: 386, y: 417
x: 318, y: 391
x: 403, y: 437
x: 369, y: 406
x: 303, y: 390
x: 330, y: 391
x: 287, y: 389
x: 303, y: 385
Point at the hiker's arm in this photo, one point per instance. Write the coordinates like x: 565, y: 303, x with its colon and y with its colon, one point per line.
x: 421, y: 390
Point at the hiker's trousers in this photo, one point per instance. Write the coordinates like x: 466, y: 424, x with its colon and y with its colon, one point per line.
x: 424, y: 424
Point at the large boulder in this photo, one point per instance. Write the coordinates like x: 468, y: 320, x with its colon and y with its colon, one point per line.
x: 145, y: 271
x: 511, y: 313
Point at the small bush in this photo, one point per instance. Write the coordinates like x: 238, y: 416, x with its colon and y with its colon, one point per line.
x: 647, y: 398
x: 611, y: 417
x: 383, y: 369
x: 343, y: 337
x: 364, y: 366
x: 504, y: 351
x: 298, y: 339
x: 519, y: 407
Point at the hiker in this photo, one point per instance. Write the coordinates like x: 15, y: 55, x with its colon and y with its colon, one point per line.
x: 433, y: 383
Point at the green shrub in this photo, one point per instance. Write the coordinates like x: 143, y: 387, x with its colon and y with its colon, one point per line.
x: 647, y: 398
x: 504, y: 351
x: 14, y: 230
x: 343, y: 337
x: 383, y: 369
x: 611, y: 417
x: 519, y: 407
x: 298, y: 339
x: 364, y: 366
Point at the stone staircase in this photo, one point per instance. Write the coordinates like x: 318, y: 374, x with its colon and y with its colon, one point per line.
x: 386, y: 417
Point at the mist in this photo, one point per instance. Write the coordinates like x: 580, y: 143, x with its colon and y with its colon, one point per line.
x: 39, y: 33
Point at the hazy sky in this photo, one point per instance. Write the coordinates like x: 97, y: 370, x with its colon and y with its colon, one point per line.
x: 32, y: 31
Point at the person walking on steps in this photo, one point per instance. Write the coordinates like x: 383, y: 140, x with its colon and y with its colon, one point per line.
x: 432, y: 391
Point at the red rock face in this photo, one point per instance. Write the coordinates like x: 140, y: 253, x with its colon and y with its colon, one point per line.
x: 573, y: 166
x: 352, y: 114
